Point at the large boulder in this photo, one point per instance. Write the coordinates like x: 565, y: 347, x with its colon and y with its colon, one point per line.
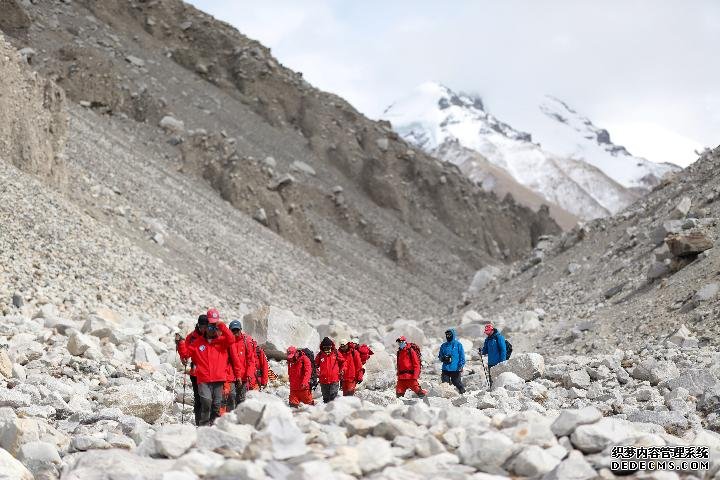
x: 146, y: 400
x: 172, y: 441
x: 483, y: 277
x: 41, y: 458
x: 655, y: 371
x: 277, y: 329
x: 12, y: 469
x: 683, y: 338
x: 568, y: 420
x: 487, y: 452
x: 533, y: 461
x: 15, y: 432
x: 574, y: 467
x: 144, y: 354
x: 527, y: 366
x: 689, y: 243
x: 78, y: 343
x: 105, y: 464
x: 594, y: 437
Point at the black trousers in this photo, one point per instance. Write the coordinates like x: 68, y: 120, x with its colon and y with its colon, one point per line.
x: 196, y: 400
x: 329, y: 391
x: 454, y: 378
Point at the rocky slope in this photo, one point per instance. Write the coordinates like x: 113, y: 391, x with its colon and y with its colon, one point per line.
x: 303, y: 163
x: 565, y: 159
x: 96, y: 279
x: 627, y: 280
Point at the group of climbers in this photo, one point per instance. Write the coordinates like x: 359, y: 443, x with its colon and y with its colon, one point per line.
x: 224, y: 364
x: 343, y: 367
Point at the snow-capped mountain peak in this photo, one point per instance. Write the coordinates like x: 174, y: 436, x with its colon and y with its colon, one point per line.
x: 565, y: 157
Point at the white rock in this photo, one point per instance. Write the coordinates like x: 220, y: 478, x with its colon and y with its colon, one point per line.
x: 483, y: 278
x: 40, y: 457
x: 527, y: 366
x: 276, y: 329
x: 707, y: 292
x: 592, y: 438
x: 104, y: 464
x: 373, y: 454
x: 655, y: 371
x: 683, y: 338
x: 576, y: 378
x: 12, y: 469
x: 78, y: 343
x: 681, y: 209
x: 6, y: 366
x: 575, y: 467
x: 138, y: 62
x: 487, y: 452
x: 283, y: 438
x: 506, y: 379
x: 144, y: 354
x: 146, y: 400
x: 533, y: 461
x: 299, y: 166
x: 172, y: 124
x: 172, y: 441
x: 568, y: 420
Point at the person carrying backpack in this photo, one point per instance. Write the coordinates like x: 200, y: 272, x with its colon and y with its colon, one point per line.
x: 352, y: 372
x: 300, y: 370
x: 408, y: 368
x: 364, y: 350
x: 210, y: 354
x: 244, y: 347
x: 494, y: 347
x: 452, y: 356
x: 262, y: 368
x: 329, y: 365
x: 191, y: 338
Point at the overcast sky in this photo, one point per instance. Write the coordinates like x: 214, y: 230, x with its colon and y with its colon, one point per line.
x: 647, y: 70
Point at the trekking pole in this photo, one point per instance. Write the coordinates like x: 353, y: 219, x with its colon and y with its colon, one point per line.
x: 488, y: 380
x: 182, y: 411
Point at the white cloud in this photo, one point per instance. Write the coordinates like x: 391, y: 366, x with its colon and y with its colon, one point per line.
x: 625, y: 64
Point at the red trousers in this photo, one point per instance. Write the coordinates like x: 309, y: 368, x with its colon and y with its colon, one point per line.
x: 348, y: 387
x: 405, y: 384
x: 300, y: 396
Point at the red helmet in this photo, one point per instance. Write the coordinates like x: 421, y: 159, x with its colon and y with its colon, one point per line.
x: 213, y: 315
x: 401, y: 339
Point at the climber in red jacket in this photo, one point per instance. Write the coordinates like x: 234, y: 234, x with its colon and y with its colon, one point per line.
x: 329, y: 365
x: 244, y: 347
x: 192, y: 337
x: 408, y: 368
x: 299, y: 371
x: 210, y: 354
x: 352, y: 372
x: 262, y: 368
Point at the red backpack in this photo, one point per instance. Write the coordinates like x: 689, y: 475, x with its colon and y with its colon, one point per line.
x: 365, y: 353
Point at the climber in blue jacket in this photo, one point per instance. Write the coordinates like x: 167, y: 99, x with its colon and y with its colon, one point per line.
x: 452, y: 356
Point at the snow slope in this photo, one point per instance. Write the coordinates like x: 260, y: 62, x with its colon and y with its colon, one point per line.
x: 573, y: 165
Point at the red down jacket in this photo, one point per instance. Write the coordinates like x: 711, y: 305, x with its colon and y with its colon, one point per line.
x: 211, y: 356
x: 352, y: 365
x: 329, y: 366
x: 408, y: 364
x: 244, y: 348
x: 299, y: 371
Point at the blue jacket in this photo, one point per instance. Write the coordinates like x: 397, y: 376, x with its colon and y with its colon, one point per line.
x: 494, y: 347
x: 454, y: 349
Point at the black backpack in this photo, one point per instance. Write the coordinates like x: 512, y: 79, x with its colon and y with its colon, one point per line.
x: 508, y: 349
x: 314, y: 380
